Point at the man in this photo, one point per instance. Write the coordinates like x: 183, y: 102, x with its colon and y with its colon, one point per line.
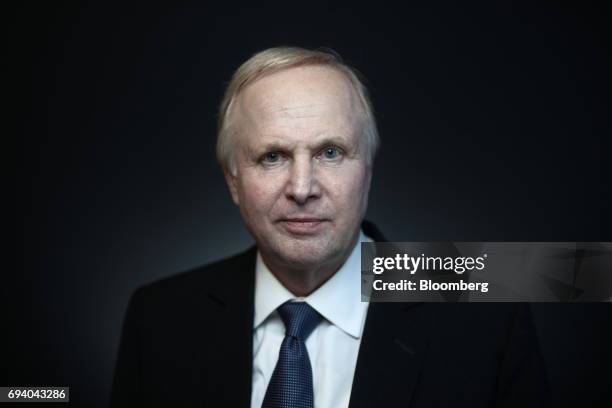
x: 282, y: 325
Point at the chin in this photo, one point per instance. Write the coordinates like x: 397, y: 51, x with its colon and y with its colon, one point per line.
x: 306, y: 254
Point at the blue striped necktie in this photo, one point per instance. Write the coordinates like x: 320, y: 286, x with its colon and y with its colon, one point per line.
x: 291, y: 382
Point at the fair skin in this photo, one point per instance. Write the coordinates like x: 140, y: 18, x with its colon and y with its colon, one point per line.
x: 302, y: 178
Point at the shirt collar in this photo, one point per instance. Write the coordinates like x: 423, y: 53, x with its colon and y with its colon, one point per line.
x: 338, y: 299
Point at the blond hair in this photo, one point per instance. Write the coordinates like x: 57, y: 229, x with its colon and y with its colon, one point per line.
x: 274, y: 60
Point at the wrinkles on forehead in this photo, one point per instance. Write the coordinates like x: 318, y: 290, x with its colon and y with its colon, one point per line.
x: 303, y: 111
x: 315, y: 116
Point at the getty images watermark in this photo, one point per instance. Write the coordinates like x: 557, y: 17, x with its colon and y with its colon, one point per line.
x: 486, y: 271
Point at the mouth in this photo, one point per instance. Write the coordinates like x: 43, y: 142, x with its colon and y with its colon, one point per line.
x: 303, y: 226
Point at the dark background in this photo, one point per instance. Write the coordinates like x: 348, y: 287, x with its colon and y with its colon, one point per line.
x: 495, y: 125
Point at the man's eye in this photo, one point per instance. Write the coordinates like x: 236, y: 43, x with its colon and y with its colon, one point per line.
x: 331, y: 152
x: 271, y: 157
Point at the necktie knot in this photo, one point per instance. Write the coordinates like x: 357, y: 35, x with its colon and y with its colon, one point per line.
x: 300, y: 319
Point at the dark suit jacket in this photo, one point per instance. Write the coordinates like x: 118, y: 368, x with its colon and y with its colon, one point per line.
x: 187, y: 342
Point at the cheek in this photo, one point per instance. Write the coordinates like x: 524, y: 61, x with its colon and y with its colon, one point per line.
x: 347, y: 188
x: 258, y: 194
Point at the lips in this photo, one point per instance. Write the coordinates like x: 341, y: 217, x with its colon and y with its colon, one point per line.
x: 303, y: 225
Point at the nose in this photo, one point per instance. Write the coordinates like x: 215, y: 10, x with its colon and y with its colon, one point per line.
x: 302, y: 185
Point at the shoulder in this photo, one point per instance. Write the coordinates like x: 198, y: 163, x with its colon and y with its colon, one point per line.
x: 185, y: 286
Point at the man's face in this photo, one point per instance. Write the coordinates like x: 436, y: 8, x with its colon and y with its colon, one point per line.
x: 301, y: 179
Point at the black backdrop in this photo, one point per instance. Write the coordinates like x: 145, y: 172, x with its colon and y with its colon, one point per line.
x: 495, y: 125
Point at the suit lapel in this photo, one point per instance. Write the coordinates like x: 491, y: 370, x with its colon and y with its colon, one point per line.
x: 226, y: 309
x: 391, y: 354
x: 392, y: 350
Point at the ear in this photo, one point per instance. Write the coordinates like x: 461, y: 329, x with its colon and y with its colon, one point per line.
x: 232, y: 184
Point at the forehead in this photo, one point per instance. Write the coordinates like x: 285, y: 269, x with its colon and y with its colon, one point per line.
x: 310, y: 99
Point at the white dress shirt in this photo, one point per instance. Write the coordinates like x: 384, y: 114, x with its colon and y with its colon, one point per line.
x: 332, y: 346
